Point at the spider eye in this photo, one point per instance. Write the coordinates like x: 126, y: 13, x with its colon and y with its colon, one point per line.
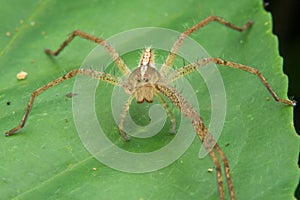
x: 138, y: 80
x: 146, y: 80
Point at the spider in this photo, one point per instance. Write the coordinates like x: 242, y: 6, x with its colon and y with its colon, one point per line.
x: 146, y: 81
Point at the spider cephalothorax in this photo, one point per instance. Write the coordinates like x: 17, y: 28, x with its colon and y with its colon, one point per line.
x: 141, y: 81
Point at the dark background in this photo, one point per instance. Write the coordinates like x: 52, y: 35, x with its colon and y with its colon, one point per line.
x: 286, y: 25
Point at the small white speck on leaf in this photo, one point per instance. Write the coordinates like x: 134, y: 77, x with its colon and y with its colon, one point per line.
x: 22, y: 75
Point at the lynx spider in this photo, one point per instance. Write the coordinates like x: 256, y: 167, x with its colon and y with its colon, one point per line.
x: 145, y: 82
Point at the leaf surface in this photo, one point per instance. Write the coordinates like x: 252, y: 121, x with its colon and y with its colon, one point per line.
x: 47, y: 158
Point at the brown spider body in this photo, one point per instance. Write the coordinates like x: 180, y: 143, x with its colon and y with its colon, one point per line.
x: 141, y: 81
x: 145, y: 82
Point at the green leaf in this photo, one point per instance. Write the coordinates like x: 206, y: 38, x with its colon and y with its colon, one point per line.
x: 47, y: 158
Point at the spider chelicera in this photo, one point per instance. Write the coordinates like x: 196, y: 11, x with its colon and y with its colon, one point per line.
x: 146, y: 81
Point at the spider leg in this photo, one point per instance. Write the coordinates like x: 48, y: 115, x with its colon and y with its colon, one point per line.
x: 193, y: 66
x: 169, y: 112
x: 176, y: 46
x: 86, y: 72
x: 212, y: 147
x: 219, y: 176
x: 123, y: 115
x: 226, y: 169
x: 207, y: 140
x: 112, y: 52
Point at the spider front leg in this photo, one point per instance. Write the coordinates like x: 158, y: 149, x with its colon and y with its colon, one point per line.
x: 86, y: 72
x: 193, y: 66
x: 112, y: 52
x: 176, y: 46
